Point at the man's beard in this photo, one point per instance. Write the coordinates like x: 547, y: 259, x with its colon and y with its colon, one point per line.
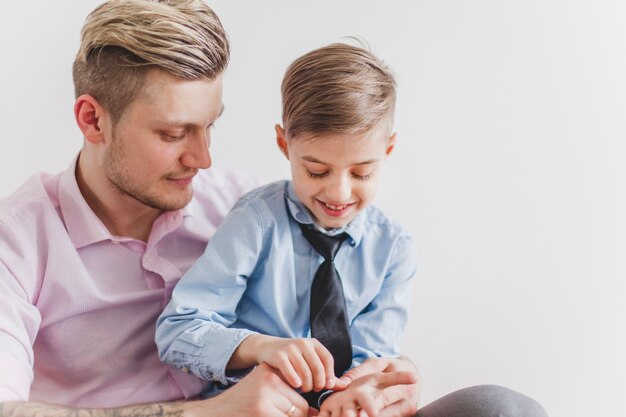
x: 117, y: 173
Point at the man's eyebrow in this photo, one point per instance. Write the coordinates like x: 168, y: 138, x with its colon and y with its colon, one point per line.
x: 176, y: 123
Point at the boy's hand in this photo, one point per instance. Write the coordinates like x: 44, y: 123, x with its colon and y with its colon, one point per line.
x: 304, y: 363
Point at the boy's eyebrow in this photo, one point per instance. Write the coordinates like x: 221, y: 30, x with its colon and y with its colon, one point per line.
x: 317, y: 161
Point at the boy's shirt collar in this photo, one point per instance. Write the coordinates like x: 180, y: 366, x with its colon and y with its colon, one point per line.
x: 301, y: 214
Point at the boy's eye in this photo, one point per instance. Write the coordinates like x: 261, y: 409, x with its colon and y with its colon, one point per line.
x: 361, y: 177
x: 316, y: 175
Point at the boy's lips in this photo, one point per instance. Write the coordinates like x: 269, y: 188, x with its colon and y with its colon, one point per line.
x: 335, y: 210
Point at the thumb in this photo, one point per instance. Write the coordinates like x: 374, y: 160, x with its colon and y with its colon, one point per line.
x: 390, y: 379
x: 370, y: 366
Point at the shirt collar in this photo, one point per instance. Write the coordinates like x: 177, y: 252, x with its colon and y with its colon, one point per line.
x: 301, y: 214
x: 83, y: 226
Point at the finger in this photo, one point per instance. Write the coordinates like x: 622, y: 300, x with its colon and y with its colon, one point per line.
x: 399, y: 392
x: 302, y: 368
x: 284, y: 396
x: 316, y: 364
x: 401, y: 408
x: 349, y: 412
x: 337, y: 412
x: 313, y: 412
x: 371, y: 404
x: 328, y: 363
x: 388, y: 379
x: 370, y: 366
x: 340, y: 385
x: 288, y: 371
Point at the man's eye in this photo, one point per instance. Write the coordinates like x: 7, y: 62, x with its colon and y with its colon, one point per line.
x: 172, y: 138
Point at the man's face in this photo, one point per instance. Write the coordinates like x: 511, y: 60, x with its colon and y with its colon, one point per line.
x: 336, y: 176
x: 162, y: 139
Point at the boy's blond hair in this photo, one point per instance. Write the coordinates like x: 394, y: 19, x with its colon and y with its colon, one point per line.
x: 338, y: 88
x: 122, y: 39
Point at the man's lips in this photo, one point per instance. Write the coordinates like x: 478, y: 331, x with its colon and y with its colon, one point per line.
x: 182, y: 180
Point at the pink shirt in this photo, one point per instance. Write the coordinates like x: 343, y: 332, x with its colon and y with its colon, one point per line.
x: 78, y: 306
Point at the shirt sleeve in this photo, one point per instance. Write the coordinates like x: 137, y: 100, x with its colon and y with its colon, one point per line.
x: 192, y: 332
x: 19, y: 318
x: 377, y: 331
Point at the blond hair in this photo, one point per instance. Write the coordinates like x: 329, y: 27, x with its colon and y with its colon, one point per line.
x: 338, y: 88
x: 122, y: 39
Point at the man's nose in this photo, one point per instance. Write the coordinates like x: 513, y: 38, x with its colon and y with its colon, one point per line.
x: 197, y: 154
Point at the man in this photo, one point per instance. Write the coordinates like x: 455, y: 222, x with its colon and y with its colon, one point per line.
x: 88, y: 257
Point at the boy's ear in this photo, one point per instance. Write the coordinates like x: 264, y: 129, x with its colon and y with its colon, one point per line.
x: 391, y: 143
x: 281, y: 141
x: 89, y: 117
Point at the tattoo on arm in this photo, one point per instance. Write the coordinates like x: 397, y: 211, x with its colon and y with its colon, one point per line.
x: 33, y: 409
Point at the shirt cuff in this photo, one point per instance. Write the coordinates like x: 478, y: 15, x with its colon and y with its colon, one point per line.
x: 216, y: 355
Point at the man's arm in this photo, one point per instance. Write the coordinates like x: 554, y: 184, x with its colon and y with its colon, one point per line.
x: 33, y: 409
x: 262, y: 393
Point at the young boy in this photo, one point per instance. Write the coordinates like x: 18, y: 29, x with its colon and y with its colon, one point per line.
x: 267, y: 288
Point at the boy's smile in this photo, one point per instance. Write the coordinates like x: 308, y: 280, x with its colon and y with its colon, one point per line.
x: 336, y: 175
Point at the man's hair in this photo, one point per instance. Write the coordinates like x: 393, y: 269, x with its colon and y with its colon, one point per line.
x: 122, y: 40
x: 338, y: 88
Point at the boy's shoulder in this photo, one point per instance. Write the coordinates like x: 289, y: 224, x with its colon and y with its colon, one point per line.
x: 268, y: 194
x: 379, y: 223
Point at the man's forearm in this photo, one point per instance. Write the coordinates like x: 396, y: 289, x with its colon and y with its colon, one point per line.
x: 33, y: 409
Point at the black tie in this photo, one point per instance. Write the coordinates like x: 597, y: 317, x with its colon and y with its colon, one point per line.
x: 329, y: 319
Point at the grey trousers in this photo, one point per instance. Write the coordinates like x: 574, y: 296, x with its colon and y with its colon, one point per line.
x: 483, y: 401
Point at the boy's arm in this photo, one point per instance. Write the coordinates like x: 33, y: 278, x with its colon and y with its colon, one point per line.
x: 192, y: 333
x: 378, y: 329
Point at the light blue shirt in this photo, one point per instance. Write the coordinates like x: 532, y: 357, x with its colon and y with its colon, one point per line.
x: 256, y: 274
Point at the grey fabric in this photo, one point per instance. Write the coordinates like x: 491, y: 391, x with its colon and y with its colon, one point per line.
x: 483, y: 401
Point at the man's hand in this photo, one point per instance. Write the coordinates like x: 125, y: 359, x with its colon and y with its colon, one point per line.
x: 367, y: 392
x: 262, y: 393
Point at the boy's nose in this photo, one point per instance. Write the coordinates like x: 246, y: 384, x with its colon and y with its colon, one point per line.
x: 339, y: 191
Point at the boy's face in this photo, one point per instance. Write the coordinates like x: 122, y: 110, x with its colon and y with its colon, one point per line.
x: 335, y: 175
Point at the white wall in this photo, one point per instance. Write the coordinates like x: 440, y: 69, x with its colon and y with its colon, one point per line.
x: 509, y: 170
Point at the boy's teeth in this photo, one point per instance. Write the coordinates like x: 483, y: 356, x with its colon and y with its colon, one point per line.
x: 330, y: 206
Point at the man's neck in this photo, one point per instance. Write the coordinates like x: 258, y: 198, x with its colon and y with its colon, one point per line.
x: 122, y: 215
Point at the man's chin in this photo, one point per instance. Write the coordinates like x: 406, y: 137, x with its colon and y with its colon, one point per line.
x: 171, y: 202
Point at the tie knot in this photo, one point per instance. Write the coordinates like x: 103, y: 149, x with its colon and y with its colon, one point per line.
x: 326, y: 245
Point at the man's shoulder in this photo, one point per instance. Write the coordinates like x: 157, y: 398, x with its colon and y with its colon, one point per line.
x: 36, y: 199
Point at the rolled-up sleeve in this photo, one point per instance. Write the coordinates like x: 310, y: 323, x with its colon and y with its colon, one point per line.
x: 19, y: 318
x: 192, y: 332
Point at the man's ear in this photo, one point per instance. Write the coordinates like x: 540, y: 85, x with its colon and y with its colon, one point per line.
x: 281, y: 141
x: 89, y: 117
x: 391, y: 143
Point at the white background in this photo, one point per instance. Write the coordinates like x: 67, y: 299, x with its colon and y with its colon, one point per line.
x: 509, y: 170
